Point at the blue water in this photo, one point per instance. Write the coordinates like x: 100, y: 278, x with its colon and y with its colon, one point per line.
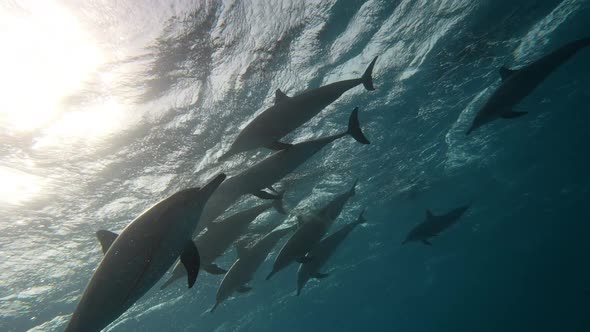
x: 177, y: 80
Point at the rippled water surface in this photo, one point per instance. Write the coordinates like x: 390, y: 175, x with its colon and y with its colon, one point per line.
x: 108, y: 106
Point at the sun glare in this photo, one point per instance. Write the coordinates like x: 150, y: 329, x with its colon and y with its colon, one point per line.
x: 45, y: 55
x: 17, y: 186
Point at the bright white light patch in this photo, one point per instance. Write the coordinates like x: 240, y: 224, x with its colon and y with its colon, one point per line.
x: 17, y: 186
x: 45, y: 55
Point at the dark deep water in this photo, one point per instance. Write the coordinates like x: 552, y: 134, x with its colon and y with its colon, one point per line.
x: 146, y: 97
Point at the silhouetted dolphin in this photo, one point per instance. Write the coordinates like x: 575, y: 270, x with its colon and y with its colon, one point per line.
x: 219, y: 236
x: 519, y: 83
x: 271, y: 170
x: 139, y: 257
x: 433, y: 225
x: 310, y: 232
x: 288, y: 113
x: 249, y: 260
x: 322, y: 252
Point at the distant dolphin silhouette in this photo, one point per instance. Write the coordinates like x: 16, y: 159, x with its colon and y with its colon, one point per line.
x: 310, y: 232
x: 288, y: 113
x: 249, y: 260
x: 321, y: 253
x: 519, y: 83
x: 271, y: 170
x: 434, y: 225
x: 140, y: 256
x: 219, y: 236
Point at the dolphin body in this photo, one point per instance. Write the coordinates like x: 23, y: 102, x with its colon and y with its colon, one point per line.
x: 219, y: 236
x: 249, y: 260
x: 434, y: 225
x: 270, y: 170
x: 289, y: 113
x: 322, y: 253
x: 310, y: 232
x: 519, y: 83
x: 137, y: 258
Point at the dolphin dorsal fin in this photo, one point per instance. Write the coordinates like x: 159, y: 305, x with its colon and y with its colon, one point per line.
x: 505, y: 72
x: 429, y: 214
x: 106, y: 239
x: 280, y: 96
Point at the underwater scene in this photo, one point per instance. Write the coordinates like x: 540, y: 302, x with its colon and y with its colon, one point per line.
x: 294, y: 165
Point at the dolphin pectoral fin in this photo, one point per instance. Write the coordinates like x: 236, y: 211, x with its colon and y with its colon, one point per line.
x: 512, y: 114
x: 426, y: 242
x: 279, y: 146
x: 319, y: 275
x: 191, y: 261
x: 106, y: 239
x: 265, y: 195
x: 213, y: 268
x: 280, y: 96
x: 505, y: 72
x: 304, y: 259
x: 243, y: 289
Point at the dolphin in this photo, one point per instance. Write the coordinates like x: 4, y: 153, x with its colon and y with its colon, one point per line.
x: 434, y: 225
x: 143, y: 252
x: 249, y: 260
x: 289, y: 113
x: 310, y: 232
x: 519, y: 83
x: 270, y: 170
x: 322, y: 253
x: 219, y: 236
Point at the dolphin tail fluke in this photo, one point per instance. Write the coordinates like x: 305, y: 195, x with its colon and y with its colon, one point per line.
x: 367, y: 77
x: 354, y: 128
x: 214, y: 307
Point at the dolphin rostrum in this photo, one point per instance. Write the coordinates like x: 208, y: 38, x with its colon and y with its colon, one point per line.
x: 434, y: 225
x: 310, y: 232
x: 288, y: 113
x: 270, y: 170
x: 249, y: 260
x: 219, y: 236
x: 143, y: 252
x: 519, y: 83
x: 321, y: 253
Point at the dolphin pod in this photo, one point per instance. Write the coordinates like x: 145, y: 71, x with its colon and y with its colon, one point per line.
x: 310, y: 232
x: 248, y: 262
x: 322, y: 252
x: 434, y: 225
x: 519, y: 83
x: 289, y: 113
x: 219, y: 236
x: 272, y: 169
x: 137, y: 258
